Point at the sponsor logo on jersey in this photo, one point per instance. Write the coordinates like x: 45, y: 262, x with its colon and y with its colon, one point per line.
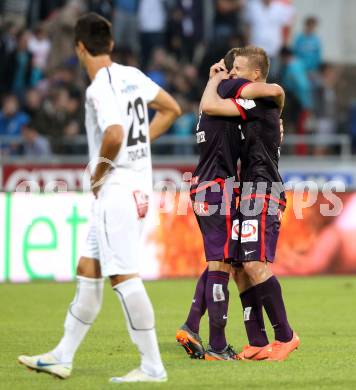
x: 249, y: 231
x: 129, y: 88
x: 201, y: 137
x: 246, y: 104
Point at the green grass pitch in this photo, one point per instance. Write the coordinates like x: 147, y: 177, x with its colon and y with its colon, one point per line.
x: 322, y: 310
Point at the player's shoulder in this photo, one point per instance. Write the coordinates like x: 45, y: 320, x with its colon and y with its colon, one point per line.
x: 127, y: 71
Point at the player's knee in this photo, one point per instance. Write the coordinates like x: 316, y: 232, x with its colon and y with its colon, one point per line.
x: 88, y: 300
x: 257, y: 271
x: 251, y: 268
x: 84, y: 313
x: 136, y: 304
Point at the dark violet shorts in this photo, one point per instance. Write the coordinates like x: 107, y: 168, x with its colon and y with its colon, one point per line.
x: 259, y: 230
x: 215, y: 221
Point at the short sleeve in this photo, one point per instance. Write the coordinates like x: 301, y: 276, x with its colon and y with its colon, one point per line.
x: 106, y: 106
x: 232, y: 88
x: 249, y: 109
x: 149, y: 88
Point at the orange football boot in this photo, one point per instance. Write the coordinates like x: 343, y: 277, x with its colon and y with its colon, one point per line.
x: 191, y: 342
x: 250, y: 352
x: 279, y: 351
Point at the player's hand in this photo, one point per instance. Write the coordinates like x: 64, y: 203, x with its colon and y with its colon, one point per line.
x: 281, y: 129
x: 96, y: 185
x: 217, y: 68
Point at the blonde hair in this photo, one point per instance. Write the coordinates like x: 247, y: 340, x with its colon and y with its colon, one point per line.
x: 257, y: 58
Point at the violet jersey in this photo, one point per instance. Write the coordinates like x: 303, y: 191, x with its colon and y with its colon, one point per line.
x: 261, y: 141
x: 219, y: 143
x: 119, y: 95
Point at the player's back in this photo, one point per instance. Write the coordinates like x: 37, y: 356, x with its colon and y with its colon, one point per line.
x: 119, y: 95
x: 219, y: 141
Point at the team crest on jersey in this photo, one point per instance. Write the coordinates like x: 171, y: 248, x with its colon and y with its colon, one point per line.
x: 246, y: 103
x: 201, y: 137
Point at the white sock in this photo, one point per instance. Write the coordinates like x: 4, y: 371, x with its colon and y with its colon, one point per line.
x: 80, y: 316
x: 140, y: 323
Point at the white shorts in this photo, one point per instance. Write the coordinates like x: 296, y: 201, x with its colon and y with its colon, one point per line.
x: 114, y: 236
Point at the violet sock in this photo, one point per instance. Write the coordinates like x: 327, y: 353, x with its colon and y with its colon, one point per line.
x: 270, y: 293
x: 198, y: 306
x: 217, y: 300
x: 253, y: 318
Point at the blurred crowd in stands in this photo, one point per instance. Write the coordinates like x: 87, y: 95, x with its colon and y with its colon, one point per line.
x: 174, y: 42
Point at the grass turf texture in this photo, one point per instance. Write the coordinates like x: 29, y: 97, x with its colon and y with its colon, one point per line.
x: 322, y: 310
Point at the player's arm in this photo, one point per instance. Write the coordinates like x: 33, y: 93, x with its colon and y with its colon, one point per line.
x: 110, y: 147
x: 167, y: 111
x: 212, y: 104
x: 264, y: 90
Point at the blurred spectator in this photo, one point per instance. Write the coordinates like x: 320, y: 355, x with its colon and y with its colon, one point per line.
x: 267, y: 20
x: 32, y: 103
x: 307, y: 45
x: 226, y: 19
x: 183, y: 127
x: 160, y: 67
x: 185, y: 28
x: 11, y: 117
x: 61, y: 30
x: 152, y: 25
x: 325, y: 105
x: 353, y: 126
x: 11, y: 122
x: 19, y: 70
x: 190, y: 72
x: 102, y: 7
x: 74, y: 124
x: 297, y: 85
x: 33, y: 144
x: 125, y: 24
x: 125, y: 56
x: 39, y: 45
x: 39, y: 10
x: 8, y: 33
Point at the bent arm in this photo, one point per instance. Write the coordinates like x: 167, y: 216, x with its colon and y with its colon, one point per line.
x: 264, y: 90
x: 212, y: 104
x: 167, y: 111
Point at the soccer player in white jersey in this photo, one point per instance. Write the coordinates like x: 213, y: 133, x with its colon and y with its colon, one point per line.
x: 119, y: 135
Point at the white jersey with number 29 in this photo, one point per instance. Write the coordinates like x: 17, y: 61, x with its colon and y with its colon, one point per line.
x: 119, y: 95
